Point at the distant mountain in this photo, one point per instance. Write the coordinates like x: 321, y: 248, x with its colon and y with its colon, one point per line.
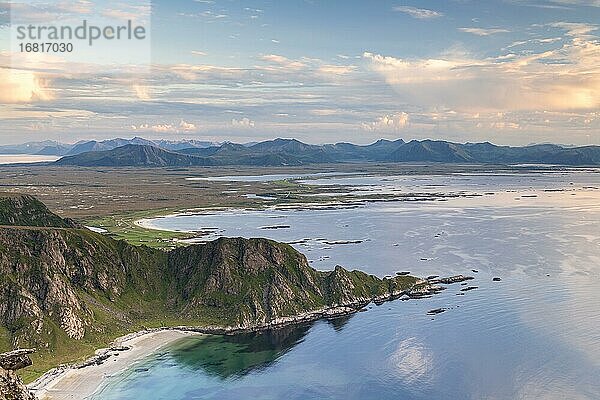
x: 83, y: 147
x: 133, y: 155
x: 93, y: 145
x: 28, y: 148
x: 183, y: 144
x: 289, y: 152
x: 54, y: 148
x: 431, y: 151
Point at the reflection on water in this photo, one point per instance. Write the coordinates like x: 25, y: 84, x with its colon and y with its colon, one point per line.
x: 234, y: 356
x: 533, y: 335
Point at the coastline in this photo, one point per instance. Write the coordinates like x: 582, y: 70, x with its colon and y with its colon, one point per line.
x: 79, y: 382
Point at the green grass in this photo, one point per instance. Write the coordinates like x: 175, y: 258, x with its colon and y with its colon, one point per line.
x: 124, y: 227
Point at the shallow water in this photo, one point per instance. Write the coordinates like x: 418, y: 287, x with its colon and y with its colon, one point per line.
x: 533, y: 335
x: 265, y: 177
x: 6, y: 159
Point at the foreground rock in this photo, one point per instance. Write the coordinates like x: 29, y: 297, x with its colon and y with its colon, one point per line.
x: 11, y: 386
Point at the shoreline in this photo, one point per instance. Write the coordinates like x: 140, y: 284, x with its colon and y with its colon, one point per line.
x: 81, y: 381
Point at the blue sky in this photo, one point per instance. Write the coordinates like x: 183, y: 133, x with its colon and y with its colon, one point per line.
x: 506, y: 71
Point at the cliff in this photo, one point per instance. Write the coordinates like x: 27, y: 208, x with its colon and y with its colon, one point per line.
x: 11, y: 385
x: 66, y: 291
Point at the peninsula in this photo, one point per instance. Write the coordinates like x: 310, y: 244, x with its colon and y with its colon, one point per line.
x: 67, y: 291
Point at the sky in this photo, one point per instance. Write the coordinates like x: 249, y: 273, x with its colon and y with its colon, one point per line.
x: 322, y: 71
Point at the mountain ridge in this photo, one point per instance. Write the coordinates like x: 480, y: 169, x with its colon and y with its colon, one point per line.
x: 291, y: 152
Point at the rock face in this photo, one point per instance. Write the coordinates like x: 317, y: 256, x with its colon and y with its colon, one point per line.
x: 63, y: 286
x: 47, y: 276
x: 256, y: 281
x: 11, y: 386
x: 17, y: 359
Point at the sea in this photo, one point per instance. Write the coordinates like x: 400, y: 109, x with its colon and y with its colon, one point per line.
x: 531, y: 333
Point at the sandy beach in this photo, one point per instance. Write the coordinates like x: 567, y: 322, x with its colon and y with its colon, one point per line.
x: 81, y: 383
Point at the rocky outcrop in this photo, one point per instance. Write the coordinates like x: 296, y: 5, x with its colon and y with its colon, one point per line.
x: 259, y: 282
x: 451, y: 279
x: 11, y: 386
x: 16, y: 359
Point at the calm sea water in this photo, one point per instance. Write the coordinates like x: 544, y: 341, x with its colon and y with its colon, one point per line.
x: 533, y: 335
x: 6, y: 159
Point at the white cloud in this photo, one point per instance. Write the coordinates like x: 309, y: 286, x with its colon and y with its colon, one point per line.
x: 128, y: 12
x: 141, y: 92
x: 590, y: 3
x: 575, y: 29
x: 564, y: 78
x: 483, y: 31
x: 242, y: 123
x: 283, y: 61
x: 23, y: 86
x: 388, y: 123
x: 198, y: 53
x: 187, y: 126
x: 166, y: 127
x: 336, y: 69
x: 419, y: 13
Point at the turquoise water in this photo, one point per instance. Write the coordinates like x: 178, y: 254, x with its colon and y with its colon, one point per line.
x: 533, y: 335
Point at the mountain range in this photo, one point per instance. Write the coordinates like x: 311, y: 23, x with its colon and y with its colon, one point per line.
x: 291, y: 152
x: 54, y: 148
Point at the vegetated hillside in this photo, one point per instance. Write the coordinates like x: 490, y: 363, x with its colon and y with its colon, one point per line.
x: 66, y: 291
x: 25, y: 210
x: 290, y: 152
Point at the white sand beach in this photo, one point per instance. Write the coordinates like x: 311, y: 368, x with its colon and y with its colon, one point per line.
x: 80, y: 384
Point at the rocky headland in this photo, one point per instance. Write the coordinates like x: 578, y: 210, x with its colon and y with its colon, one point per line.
x: 66, y: 291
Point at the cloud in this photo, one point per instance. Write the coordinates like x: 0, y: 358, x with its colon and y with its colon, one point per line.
x: 242, y: 123
x: 575, y: 29
x: 128, y: 12
x: 141, y: 92
x: 22, y: 86
x: 166, y: 127
x: 187, y: 126
x: 483, y: 31
x: 42, y: 11
x: 419, y: 13
x: 589, y: 3
x: 198, y: 53
x: 330, y: 69
x: 564, y: 78
x: 283, y: 61
x: 388, y: 123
